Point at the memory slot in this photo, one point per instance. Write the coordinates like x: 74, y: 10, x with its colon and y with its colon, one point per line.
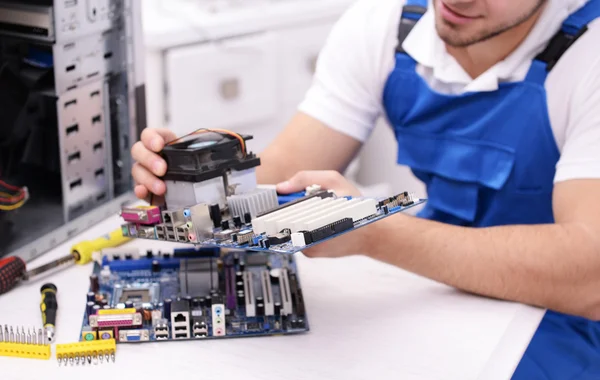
x: 299, y: 224
x: 355, y: 211
x: 259, y: 224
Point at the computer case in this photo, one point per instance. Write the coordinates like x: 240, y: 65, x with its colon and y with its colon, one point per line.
x: 72, y: 102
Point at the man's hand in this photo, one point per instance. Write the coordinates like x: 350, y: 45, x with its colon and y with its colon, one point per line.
x: 351, y: 243
x: 327, y: 179
x: 149, y: 165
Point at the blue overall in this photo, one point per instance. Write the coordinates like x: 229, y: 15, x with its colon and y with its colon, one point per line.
x: 489, y: 159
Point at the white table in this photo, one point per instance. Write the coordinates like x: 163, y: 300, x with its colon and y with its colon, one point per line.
x: 368, y: 321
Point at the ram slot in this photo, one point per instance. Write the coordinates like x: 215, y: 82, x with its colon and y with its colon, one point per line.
x: 258, y: 224
x: 249, y: 292
x: 267, y: 292
x: 284, y: 289
x: 299, y: 224
x: 355, y: 211
x: 286, y: 220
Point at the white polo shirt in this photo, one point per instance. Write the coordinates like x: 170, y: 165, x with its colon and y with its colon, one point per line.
x: 359, y: 55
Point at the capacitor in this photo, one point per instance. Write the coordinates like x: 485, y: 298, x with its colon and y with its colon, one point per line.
x: 208, y: 300
x: 94, y: 283
x: 128, y: 256
x: 237, y: 221
x: 90, y: 308
x: 239, y: 285
x: 277, y: 307
x: 149, y: 254
x: 236, y: 258
x: 167, y: 308
x: 259, y: 300
x: 103, y: 302
x: 128, y: 304
x: 386, y: 209
x: 260, y: 309
x: 242, y: 266
x: 106, y: 307
x: 166, y: 255
x: 215, y: 214
x: 239, y: 276
x: 155, y: 266
x: 247, y: 218
x: 95, y: 309
x: 225, y: 225
x: 240, y: 298
x: 188, y: 299
x: 91, y: 297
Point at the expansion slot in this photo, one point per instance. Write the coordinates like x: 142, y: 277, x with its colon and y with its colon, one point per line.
x: 259, y: 224
x: 297, y: 297
x: 249, y: 292
x: 286, y: 296
x: 267, y: 292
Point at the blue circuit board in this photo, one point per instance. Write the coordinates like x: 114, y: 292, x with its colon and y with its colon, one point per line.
x: 194, y: 295
x: 243, y: 234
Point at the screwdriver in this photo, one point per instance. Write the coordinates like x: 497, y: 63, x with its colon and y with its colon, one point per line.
x: 49, y: 306
x: 13, y: 269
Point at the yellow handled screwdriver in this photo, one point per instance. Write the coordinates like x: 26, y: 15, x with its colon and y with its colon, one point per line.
x: 12, y: 269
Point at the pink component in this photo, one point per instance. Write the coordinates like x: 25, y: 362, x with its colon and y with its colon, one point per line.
x: 142, y: 215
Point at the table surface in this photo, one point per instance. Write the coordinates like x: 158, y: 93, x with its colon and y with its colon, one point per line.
x: 368, y: 320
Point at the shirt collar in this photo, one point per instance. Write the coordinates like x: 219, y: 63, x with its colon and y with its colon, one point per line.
x: 425, y: 46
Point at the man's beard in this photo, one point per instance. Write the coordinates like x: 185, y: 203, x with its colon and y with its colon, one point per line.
x: 454, y: 40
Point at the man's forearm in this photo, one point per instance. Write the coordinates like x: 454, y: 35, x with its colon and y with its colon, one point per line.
x: 553, y: 266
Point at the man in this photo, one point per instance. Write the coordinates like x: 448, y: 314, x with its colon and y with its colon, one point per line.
x: 503, y: 129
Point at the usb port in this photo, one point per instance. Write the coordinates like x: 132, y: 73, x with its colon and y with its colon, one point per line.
x: 72, y: 129
x: 98, y: 146
x: 74, y: 156
x: 180, y: 335
x: 75, y: 183
x: 96, y: 119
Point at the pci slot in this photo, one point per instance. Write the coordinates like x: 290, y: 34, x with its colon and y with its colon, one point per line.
x: 230, y: 288
x: 288, y: 219
x: 356, y: 210
x: 267, y: 292
x: 249, y: 292
x: 332, y: 208
x: 284, y: 289
x: 297, y: 297
x: 259, y: 224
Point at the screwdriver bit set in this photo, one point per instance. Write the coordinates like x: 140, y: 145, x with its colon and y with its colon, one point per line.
x: 31, y: 344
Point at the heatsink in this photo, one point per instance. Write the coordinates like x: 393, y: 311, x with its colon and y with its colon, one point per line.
x: 254, y: 202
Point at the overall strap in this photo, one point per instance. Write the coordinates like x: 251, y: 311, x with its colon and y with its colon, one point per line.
x: 412, y: 12
x: 573, y: 28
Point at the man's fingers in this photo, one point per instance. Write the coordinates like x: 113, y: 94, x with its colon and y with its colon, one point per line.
x: 156, y: 138
x: 147, y: 179
x: 141, y: 191
x: 148, y: 159
x: 328, y: 179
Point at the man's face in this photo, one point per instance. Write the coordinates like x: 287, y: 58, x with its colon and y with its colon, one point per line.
x: 461, y: 23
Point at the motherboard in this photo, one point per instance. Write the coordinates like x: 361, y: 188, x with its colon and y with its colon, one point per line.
x: 193, y: 294
x: 213, y: 200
